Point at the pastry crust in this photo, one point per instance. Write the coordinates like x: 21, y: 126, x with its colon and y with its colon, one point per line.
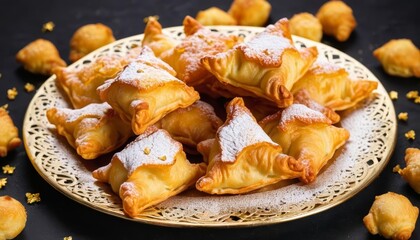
x: 145, y: 91
x: 145, y: 173
x: 40, y: 57
x: 250, y: 12
x: 399, y: 57
x: 215, y: 16
x: 392, y: 216
x: 337, y: 19
x: 267, y: 66
x: 307, y: 135
x: 306, y: 25
x: 242, y: 158
x: 411, y: 173
x: 9, y: 135
x: 92, y: 130
x: 155, y: 39
x: 89, y: 38
x: 12, y: 217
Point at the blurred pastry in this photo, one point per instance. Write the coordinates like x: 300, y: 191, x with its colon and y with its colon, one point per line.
x: 9, y: 135
x: 392, y: 216
x: 411, y: 173
x: 40, y: 57
x: 399, y: 57
x: 12, y: 217
x: 250, y: 12
x: 155, y: 39
x: 88, y: 38
x: 337, y: 19
x: 214, y: 16
x: 306, y: 25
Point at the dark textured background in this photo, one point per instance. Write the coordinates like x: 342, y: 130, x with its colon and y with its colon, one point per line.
x: 57, y: 216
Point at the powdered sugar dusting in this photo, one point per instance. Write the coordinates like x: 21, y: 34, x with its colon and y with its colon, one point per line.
x: 93, y: 110
x: 301, y: 112
x: 322, y: 65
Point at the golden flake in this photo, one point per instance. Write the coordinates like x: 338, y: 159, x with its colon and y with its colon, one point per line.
x: 417, y: 100
x: 146, y: 19
x: 29, y: 87
x: 163, y: 158
x: 32, y: 198
x: 393, y: 95
x: 412, y: 94
x: 8, y: 169
x: 12, y: 93
x: 3, y: 182
x: 410, y: 135
x: 146, y: 151
x: 396, y: 168
x: 5, y: 106
x: 48, y: 27
x: 68, y: 238
x: 403, y: 116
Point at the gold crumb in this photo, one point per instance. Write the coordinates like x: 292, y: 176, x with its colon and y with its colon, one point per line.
x: 3, y: 182
x: 5, y: 106
x: 163, y: 158
x: 393, y: 95
x: 410, y: 135
x: 146, y: 19
x: 417, y: 100
x: 8, y: 169
x: 32, y: 198
x: 29, y: 87
x: 68, y: 238
x: 412, y: 94
x: 12, y: 93
x: 146, y: 151
x: 48, y: 27
x: 403, y: 116
x: 396, y: 169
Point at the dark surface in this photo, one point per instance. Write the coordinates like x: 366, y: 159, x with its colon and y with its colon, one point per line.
x: 57, y: 216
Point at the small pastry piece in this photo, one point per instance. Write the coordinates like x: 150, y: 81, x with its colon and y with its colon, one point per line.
x: 242, y: 157
x: 199, y: 42
x: 307, y: 135
x: 250, y: 12
x: 399, y: 57
x: 92, y: 130
x: 148, y: 171
x: 337, y: 19
x: 156, y: 39
x: 145, y: 91
x: 267, y: 66
x: 192, y: 124
x: 12, y: 217
x: 40, y: 57
x: 9, y: 136
x: 331, y: 86
x: 214, y: 16
x: 392, y: 216
x: 411, y: 173
x: 306, y: 25
x: 88, y: 38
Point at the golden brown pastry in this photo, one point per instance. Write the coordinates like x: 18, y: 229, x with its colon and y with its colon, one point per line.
x: 92, y: 130
x: 148, y: 171
x: 215, y: 16
x: 250, y: 12
x: 9, y: 135
x: 40, y: 57
x: 12, y: 217
x: 331, y: 86
x: 337, y: 19
x: 88, y: 38
x: 267, y: 66
x: 260, y: 107
x: 156, y: 39
x: 145, y: 91
x: 199, y: 42
x: 399, y: 57
x: 306, y: 25
x: 307, y: 135
x: 392, y: 216
x: 242, y: 157
x: 411, y: 173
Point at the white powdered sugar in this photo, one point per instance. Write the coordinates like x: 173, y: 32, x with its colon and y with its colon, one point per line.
x: 322, y: 65
x: 302, y: 112
x: 94, y: 110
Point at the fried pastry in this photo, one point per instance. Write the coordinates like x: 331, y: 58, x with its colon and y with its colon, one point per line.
x: 331, y: 86
x: 40, y: 57
x: 399, y: 57
x: 411, y: 173
x: 392, y: 216
x: 306, y: 25
x: 145, y: 91
x: 9, y: 135
x: 88, y: 38
x: 148, y: 171
x: 12, y: 218
x: 242, y: 157
x: 92, y: 130
x: 215, y: 16
x: 199, y: 42
x: 337, y: 19
x: 307, y: 135
x: 250, y: 12
x: 156, y: 39
x: 267, y: 66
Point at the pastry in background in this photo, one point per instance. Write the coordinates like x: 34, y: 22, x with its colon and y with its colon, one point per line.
x: 40, y: 57
x: 399, y: 57
x: 215, y: 16
x: 392, y: 216
x: 155, y: 39
x: 411, y: 173
x: 337, y: 19
x: 12, y: 217
x: 88, y: 38
x: 250, y: 12
x: 9, y: 135
x: 306, y: 25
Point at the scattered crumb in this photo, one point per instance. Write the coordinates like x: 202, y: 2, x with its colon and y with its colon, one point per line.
x: 68, y: 238
x: 32, y: 198
x: 29, y: 87
x: 396, y: 168
x: 8, y: 169
x: 412, y: 94
x: 48, y: 27
x: 403, y: 116
x: 410, y: 135
x: 393, y: 95
x: 417, y: 100
x: 12, y: 93
x: 3, y: 182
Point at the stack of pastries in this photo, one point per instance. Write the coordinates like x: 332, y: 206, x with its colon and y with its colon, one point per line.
x: 255, y: 112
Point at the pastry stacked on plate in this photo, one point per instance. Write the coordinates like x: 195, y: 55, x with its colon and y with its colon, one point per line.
x: 257, y: 112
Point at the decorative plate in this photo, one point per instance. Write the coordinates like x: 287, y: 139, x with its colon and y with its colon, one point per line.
x: 372, y: 127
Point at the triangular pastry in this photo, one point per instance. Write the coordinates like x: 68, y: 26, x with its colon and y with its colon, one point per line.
x: 411, y: 173
x: 148, y: 171
x: 306, y: 135
x: 156, y: 39
x: 145, y: 91
x: 242, y: 157
x: 267, y: 66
